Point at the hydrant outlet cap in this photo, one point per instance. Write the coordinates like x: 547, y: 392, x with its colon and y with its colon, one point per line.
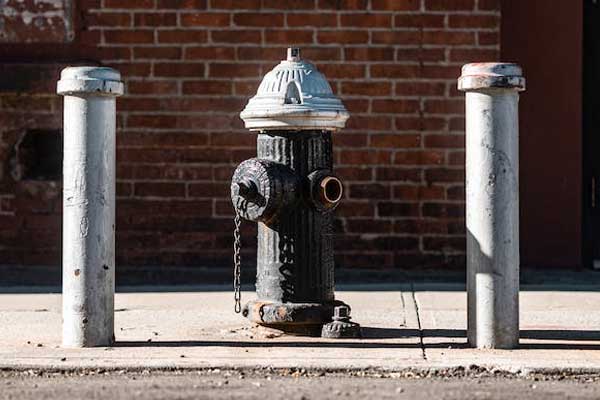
x: 480, y: 76
x: 294, y: 95
x: 100, y: 81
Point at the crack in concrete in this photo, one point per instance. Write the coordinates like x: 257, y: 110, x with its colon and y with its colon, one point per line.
x: 403, y: 309
x: 420, y: 327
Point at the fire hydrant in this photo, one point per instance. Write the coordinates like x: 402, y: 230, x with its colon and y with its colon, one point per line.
x: 290, y: 190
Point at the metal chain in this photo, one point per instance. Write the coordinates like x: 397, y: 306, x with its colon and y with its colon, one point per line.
x: 237, y: 261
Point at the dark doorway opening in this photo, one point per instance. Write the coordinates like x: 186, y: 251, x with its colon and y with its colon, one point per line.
x: 591, y: 133
x: 545, y: 38
x: 37, y: 156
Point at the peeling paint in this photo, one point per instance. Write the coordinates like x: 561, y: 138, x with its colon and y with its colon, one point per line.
x: 40, y: 21
x: 84, y: 227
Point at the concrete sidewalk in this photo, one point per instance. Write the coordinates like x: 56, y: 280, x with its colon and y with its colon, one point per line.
x: 416, y: 326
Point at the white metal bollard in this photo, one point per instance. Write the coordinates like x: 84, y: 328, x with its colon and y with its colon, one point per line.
x: 89, y: 204
x: 492, y: 189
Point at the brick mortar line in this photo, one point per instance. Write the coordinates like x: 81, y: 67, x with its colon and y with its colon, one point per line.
x: 272, y: 46
x: 277, y: 11
x: 356, y: 28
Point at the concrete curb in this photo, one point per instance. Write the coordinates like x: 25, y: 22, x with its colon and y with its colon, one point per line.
x: 437, y: 371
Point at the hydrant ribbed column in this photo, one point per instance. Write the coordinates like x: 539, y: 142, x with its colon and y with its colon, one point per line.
x: 492, y: 191
x: 89, y: 204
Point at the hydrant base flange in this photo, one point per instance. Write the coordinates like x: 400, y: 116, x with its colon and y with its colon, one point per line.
x: 293, y: 318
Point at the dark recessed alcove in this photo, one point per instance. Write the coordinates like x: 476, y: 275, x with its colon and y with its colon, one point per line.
x: 38, y: 156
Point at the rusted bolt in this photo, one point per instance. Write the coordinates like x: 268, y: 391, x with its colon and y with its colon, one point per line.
x: 341, y: 313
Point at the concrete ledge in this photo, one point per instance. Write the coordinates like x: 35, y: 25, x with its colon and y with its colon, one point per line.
x: 406, y: 328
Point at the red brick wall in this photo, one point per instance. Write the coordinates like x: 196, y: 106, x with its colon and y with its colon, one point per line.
x: 189, y: 68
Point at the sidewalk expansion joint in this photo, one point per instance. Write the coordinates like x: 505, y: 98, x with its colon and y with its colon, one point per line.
x: 421, y: 334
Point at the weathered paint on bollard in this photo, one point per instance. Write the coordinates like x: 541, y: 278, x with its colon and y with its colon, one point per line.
x: 492, y: 191
x: 89, y: 204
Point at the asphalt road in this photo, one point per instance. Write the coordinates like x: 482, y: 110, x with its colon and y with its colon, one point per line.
x: 288, y: 385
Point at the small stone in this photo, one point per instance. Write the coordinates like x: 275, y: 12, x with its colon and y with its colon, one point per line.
x: 63, y: 359
x: 399, y: 390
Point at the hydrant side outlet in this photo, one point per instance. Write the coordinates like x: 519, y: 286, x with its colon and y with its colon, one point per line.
x: 293, y: 192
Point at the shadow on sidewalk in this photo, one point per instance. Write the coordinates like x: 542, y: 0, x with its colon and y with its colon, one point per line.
x: 563, y: 336
x: 427, y: 335
x: 347, y: 344
x: 367, y: 332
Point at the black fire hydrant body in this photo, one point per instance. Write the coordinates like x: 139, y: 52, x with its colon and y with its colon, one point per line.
x: 290, y: 190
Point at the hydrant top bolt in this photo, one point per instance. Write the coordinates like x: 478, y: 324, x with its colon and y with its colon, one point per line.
x: 482, y: 76
x: 293, y: 54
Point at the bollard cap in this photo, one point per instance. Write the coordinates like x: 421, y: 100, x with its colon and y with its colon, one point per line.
x: 294, y: 95
x: 480, y: 76
x: 100, y: 81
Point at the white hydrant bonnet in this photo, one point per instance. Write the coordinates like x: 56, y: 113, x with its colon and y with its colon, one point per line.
x: 294, y: 95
